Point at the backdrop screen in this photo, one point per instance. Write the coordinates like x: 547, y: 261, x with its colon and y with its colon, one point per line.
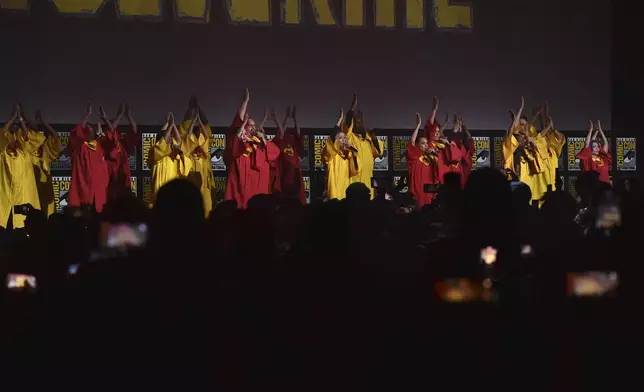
x: 477, y: 56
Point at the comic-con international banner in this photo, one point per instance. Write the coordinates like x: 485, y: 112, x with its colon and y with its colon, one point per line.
x: 498, y: 152
x: 307, y: 189
x: 217, y: 147
x: 147, y: 189
x: 574, y: 146
x: 318, y: 150
x: 396, y: 181
x: 626, y: 158
x: 64, y: 161
x: 382, y: 164
x: 219, y: 189
x: 147, y: 143
x: 61, y: 192
x: 134, y: 185
x: 481, y: 152
x: 572, y: 186
x: 399, y: 150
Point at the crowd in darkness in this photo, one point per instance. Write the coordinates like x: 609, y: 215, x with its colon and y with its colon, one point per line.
x: 339, y: 294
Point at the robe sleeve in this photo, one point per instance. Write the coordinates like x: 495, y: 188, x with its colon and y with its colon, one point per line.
x: 51, y: 149
x: 584, y: 154
x: 354, y: 167
x: 185, y: 165
x: 330, y: 151
x: 298, y: 141
x: 556, y: 140
x: 188, y: 143
x: 377, y: 152
x: 607, y: 157
x: 272, y: 151
x: 77, y: 137
x: 33, y: 143
x: 413, y: 154
x: 130, y: 141
x: 161, y: 150
x: 430, y: 130
x: 542, y: 147
x: 453, y: 152
x: 510, y: 145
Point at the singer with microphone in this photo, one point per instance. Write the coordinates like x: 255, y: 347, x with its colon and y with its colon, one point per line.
x: 248, y: 157
x: 340, y: 160
x: 422, y: 166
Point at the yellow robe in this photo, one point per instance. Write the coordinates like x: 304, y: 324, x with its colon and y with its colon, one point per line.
x: 531, y: 167
x: 17, y: 179
x: 42, y: 159
x: 555, y: 148
x: 340, y: 168
x: 166, y: 167
x: 366, y: 155
x: 201, y: 171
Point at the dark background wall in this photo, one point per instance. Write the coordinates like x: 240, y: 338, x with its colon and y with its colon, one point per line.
x: 543, y: 49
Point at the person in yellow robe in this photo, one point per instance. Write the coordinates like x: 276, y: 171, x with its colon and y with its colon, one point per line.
x: 340, y: 161
x: 167, y: 158
x: 524, y: 155
x: 368, y: 146
x: 555, y: 142
x: 17, y: 179
x: 195, y: 130
x: 42, y: 159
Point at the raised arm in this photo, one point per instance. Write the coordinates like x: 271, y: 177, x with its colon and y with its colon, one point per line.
x: 604, y: 140
x: 444, y: 125
x: 352, y: 111
x: 516, y: 117
x: 48, y: 128
x: 12, y: 119
x: 414, y: 135
x: 102, y: 116
x: 119, y: 116
x: 338, y: 127
x: 130, y: 119
x: 273, y: 116
x: 87, y: 114
x: 167, y: 129
x: 589, y: 136
x: 536, y: 114
x: 241, y: 112
x: 432, y: 115
x: 547, y: 128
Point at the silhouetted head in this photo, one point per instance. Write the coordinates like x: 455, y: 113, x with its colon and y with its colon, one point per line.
x: 179, y: 205
x: 521, y: 195
x: 358, y: 193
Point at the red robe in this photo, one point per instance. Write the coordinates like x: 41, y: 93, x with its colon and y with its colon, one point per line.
x: 248, y: 166
x: 421, y: 171
x: 90, y: 176
x: 468, y: 160
x: 288, y: 178
x: 600, y: 163
x: 119, y: 148
x: 449, y: 155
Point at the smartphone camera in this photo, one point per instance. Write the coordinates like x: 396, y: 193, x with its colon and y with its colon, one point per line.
x: 592, y: 284
x: 123, y: 235
x: 21, y: 282
x: 72, y: 269
x: 460, y: 290
x: 488, y: 255
x: 22, y: 209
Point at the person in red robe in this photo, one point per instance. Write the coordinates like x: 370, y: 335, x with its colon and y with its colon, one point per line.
x: 595, y: 157
x: 421, y: 166
x: 288, y: 173
x: 90, y: 176
x: 449, y: 153
x: 462, y: 138
x: 119, y: 147
x: 248, y: 157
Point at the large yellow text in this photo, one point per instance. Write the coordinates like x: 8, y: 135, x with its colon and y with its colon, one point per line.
x: 445, y: 14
